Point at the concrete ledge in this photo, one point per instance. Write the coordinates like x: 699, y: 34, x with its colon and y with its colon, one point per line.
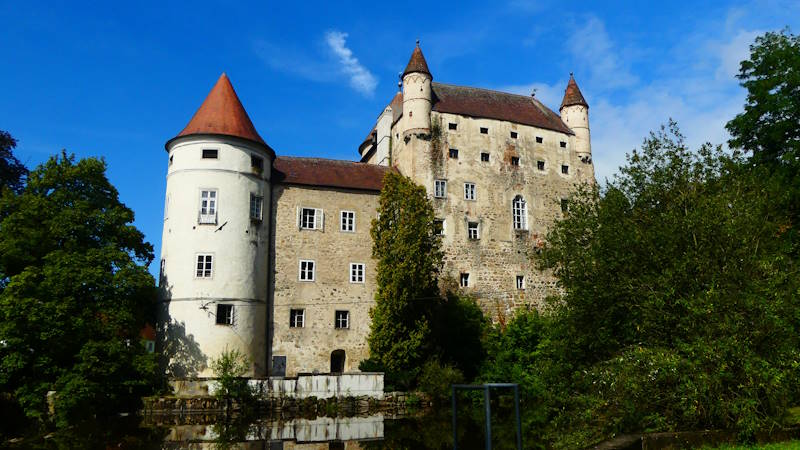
x: 355, y: 384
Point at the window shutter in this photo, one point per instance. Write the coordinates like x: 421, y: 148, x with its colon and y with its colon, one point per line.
x: 319, y: 219
x: 299, y: 223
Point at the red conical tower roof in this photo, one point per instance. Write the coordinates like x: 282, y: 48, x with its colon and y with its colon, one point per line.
x: 572, y: 95
x: 222, y: 113
x: 417, y: 63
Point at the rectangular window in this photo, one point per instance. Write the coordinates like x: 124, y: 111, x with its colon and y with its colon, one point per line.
x: 342, y: 319
x: 484, y: 130
x: 348, y: 221
x: 472, y: 231
x: 454, y: 153
x: 469, y: 191
x: 438, y: 227
x: 440, y: 188
x: 464, y: 280
x: 205, y: 265
x: 224, y: 314
x: 563, y: 144
x: 515, y: 160
x: 257, y: 163
x: 485, y: 157
x: 208, y: 206
x: 521, y: 282
x: 539, y: 139
x: 565, y: 169
x: 452, y: 126
x: 310, y: 218
x: 513, y: 135
x: 256, y: 204
x: 564, y: 205
x: 356, y: 272
x: 540, y: 165
x: 306, y: 270
x: 297, y: 318
x: 209, y: 153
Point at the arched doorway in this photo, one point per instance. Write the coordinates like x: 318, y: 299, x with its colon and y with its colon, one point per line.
x: 337, y: 361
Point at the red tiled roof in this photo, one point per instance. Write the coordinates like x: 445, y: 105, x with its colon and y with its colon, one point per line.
x: 222, y: 113
x: 417, y: 63
x: 572, y: 95
x: 328, y: 173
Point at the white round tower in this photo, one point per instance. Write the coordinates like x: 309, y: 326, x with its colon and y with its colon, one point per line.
x: 575, y: 114
x: 215, y: 243
x: 417, y: 94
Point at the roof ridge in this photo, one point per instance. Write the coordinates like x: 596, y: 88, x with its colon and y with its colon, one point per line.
x: 324, y: 159
x: 488, y: 90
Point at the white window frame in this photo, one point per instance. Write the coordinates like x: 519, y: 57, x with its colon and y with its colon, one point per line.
x: 344, y: 221
x: 519, y: 213
x: 464, y: 276
x: 477, y: 231
x: 209, y: 206
x: 520, y: 282
x: 207, y: 260
x: 304, y: 272
x: 441, y: 231
x: 440, y: 188
x: 293, y: 323
x: 258, y: 202
x: 357, y: 273
x: 341, y: 323
x: 319, y: 218
x: 470, y: 191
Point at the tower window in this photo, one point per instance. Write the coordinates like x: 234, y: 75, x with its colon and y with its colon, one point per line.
x: 297, y: 318
x: 519, y: 211
x: 256, y: 205
x: 484, y: 157
x: 348, y: 221
x: 563, y: 144
x: 539, y: 139
x: 473, y: 231
x: 342, y: 320
x: 205, y: 266
x: 521, y: 282
x: 464, y: 280
x: 469, y: 191
x: 454, y: 153
x: 513, y: 135
x: 565, y: 169
x: 440, y: 188
x: 484, y: 130
x: 224, y: 314
x: 306, y: 270
x: 209, y: 153
x: 438, y: 227
x: 515, y: 160
x: 452, y: 126
x: 540, y: 165
x: 257, y: 163
x: 356, y: 272
x: 208, y: 207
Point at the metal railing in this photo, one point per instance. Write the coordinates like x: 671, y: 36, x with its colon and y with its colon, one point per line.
x: 488, y: 409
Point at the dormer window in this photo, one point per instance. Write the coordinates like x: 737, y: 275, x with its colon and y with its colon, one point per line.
x: 210, y: 153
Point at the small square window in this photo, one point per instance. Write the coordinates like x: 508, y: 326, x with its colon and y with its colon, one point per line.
x: 224, y: 314
x: 342, y: 319
x: 563, y: 144
x: 521, y: 282
x: 306, y: 270
x: 452, y: 126
x: 297, y: 318
x: 484, y: 157
x: 348, y: 221
x: 539, y: 139
x: 469, y: 191
x: 205, y: 266
x: 464, y: 280
x: 257, y: 163
x: 256, y: 205
x: 565, y: 169
x: 540, y: 165
x: 209, y: 153
x: 515, y: 160
x: 440, y: 188
x: 454, y: 153
x: 484, y: 130
x: 513, y: 135
x: 438, y: 227
x: 356, y: 272
x: 472, y: 231
x: 564, y: 205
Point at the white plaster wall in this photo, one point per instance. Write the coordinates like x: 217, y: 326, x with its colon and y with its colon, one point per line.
x: 416, y: 102
x: 239, y: 246
x: 384, y: 131
x: 577, y: 118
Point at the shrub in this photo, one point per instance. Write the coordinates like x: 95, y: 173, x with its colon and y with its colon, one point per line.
x: 436, y: 380
x: 229, y: 369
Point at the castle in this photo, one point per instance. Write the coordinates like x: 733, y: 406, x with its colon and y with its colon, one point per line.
x: 271, y: 255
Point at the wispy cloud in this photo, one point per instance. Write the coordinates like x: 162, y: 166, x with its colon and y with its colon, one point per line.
x: 592, y: 46
x: 361, y: 79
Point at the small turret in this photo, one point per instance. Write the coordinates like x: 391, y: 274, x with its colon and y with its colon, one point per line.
x: 575, y: 114
x: 417, y: 94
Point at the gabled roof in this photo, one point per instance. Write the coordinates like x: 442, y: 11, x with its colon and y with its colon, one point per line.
x: 328, y: 173
x: 572, y: 95
x: 417, y: 63
x: 222, y: 113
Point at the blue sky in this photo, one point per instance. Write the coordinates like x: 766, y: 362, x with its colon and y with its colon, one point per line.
x: 117, y: 79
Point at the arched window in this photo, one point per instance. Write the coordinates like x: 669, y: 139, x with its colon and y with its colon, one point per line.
x: 520, y: 213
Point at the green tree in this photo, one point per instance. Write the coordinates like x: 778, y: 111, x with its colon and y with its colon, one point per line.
x: 769, y: 127
x: 12, y: 171
x: 409, y: 258
x: 77, y: 293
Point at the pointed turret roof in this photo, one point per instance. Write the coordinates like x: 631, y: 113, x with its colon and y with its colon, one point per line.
x: 417, y: 63
x: 222, y: 113
x: 572, y: 95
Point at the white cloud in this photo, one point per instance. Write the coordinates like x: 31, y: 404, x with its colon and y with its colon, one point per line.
x: 360, y: 78
x: 594, y: 50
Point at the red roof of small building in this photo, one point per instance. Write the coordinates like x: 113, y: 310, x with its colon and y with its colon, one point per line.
x: 222, y: 113
x: 328, y: 173
x: 417, y: 63
x: 572, y: 95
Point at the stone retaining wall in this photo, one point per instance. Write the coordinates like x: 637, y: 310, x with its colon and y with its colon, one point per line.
x: 358, y: 384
